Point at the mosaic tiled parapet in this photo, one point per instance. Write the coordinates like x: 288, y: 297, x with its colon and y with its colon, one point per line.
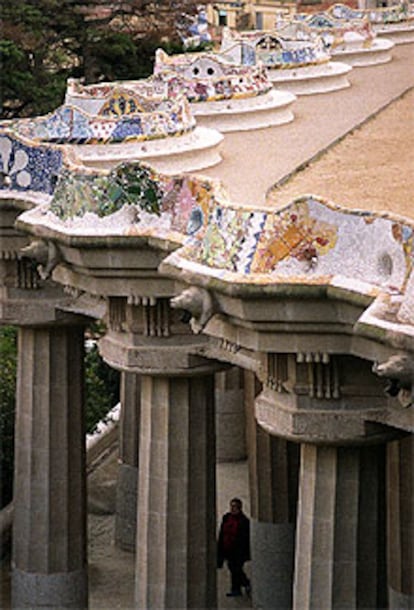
x: 118, y: 97
x: 29, y: 168
x: 309, y: 240
x: 205, y: 77
x: 391, y: 14
x: 273, y: 49
x: 395, y: 22
x: 338, y: 33
x: 309, y: 245
x: 129, y: 200
x: 149, y: 124
x: 123, y: 116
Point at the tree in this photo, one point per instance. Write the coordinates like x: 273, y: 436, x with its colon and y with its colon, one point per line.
x: 101, y: 388
x: 101, y: 394
x: 44, y: 42
x: 8, y: 366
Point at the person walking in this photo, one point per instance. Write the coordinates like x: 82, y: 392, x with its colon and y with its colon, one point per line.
x: 233, y: 546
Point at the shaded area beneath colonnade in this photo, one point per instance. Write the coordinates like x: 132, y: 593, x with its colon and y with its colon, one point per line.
x: 111, y: 570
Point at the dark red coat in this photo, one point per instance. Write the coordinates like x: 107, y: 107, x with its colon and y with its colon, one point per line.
x: 241, y: 547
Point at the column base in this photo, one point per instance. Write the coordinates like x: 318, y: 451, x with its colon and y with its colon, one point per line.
x: 399, y: 601
x: 59, y: 590
x: 126, y: 508
x: 272, y: 566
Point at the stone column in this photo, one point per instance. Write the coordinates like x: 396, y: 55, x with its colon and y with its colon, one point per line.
x: 49, y: 563
x: 230, y: 416
x: 176, y: 549
x: 340, y: 534
x: 400, y: 498
x: 273, y: 473
x: 126, y: 500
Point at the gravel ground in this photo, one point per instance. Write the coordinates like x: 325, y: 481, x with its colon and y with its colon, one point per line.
x: 111, y: 571
x: 254, y: 161
x: 371, y: 169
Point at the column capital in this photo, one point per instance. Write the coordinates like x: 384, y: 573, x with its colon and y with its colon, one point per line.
x: 147, y: 336
x: 324, y: 399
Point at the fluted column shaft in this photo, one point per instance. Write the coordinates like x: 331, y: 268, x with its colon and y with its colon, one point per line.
x: 49, y: 535
x: 400, y: 500
x: 126, y: 501
x: 273, y: 469
x: 339, y: 536
x: 176, y: 522
x: 230, y: 415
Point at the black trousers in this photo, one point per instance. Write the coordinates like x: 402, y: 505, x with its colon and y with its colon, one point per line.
x: 238, y: 576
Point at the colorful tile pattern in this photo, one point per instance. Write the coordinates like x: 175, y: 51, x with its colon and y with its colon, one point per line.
x: 396, y: 13
x: 25, y: 166
x: 309, y: 239
x: 105, y: 193
x: 205, y: 77
x: 123, y: 117
x: 336, y: 31
x: 182, y: 203
x: 291, y: 46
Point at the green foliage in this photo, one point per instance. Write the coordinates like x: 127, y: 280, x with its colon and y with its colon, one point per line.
x: 33, y: 73
x: 101, y: 388
x: 115, y: 56
x: 8, y: 365
x: 44, y: 42
x: 101, y: 394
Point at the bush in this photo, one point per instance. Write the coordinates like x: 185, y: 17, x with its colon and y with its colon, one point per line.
x: 8, y: 367
x: 101, y: 388
x: 101, y: 394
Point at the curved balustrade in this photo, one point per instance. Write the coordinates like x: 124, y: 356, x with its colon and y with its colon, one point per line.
x: 295, y: 59
x: 122, y: 117
x: 348, y: 38
x: 223, y: 94
x: 310, y: 238
x: 282, y: 50
x: 395, y: 22
x: 126, y: 124
x: 204, y: 77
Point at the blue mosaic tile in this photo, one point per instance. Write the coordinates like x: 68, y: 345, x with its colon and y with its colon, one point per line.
x: 28, y: 168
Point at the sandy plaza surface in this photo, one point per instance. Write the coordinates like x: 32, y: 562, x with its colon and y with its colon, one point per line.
x: 354, y: 145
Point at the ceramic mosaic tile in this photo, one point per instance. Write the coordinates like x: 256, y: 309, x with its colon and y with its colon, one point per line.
x: 309, y: 241
x: 115, y: 98
x: 290, y: 46
x: 389, y: 14
x: 70, y: 125
x: 107, y: 192
x: 335, y: 32
x: 207, y: 77
x: 309, y: 238
x: 24, y: 166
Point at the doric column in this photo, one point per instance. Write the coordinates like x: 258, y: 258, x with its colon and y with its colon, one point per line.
x: 340, y: 532
x: 176, y: 505
x: 400, y: 513
x: 126, y: 500
x: 49, y: 563
x: 325, y: 403
x: 176, y: 565
x: 230, y: 416
x: 273, y: 474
